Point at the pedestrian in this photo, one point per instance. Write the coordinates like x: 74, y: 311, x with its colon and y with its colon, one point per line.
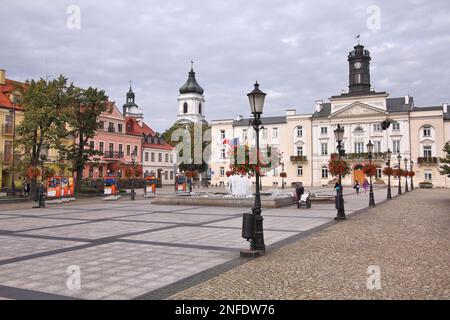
x: 299, y: 190
x: 356, y: 187
x: 365, y: 185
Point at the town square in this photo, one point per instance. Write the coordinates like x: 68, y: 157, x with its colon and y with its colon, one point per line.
x: 178, y: 158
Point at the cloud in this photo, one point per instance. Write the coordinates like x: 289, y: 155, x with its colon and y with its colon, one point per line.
x: 296, y: 50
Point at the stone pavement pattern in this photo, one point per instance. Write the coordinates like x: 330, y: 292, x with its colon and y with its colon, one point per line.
x: 135, y: 249
x: 408, y: 238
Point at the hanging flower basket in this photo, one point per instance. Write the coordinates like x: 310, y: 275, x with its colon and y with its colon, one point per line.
x: 339, y: 167
x: 388, y: 171
x: 411, y: 174
x: 370, y: 170
x: 243, y: 167
x: 398, y: 173
x: 405, y: 173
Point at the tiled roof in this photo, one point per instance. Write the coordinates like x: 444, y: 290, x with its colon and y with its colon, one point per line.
x: 138, y: 130
x: 325, y: 112
x: 398, y: 104
x: 5, y: 90
x: 157, y: 146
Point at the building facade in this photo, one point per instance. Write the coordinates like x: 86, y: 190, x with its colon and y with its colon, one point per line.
x: 306, y: 142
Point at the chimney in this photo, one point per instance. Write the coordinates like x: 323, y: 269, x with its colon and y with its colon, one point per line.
x: 2, y: 77
x: 291, y: 112
x: 445, y: 107
x: 319, y: 105
x: 407, y: 99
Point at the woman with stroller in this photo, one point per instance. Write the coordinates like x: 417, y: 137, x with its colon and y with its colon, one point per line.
x: 299, y: 190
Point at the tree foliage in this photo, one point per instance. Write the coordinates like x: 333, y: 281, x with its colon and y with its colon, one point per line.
x: 445, y: 167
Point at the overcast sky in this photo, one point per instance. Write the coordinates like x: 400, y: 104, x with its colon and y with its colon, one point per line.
x: 297, y: 50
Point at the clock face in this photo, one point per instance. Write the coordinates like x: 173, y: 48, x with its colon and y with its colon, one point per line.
x: 358, y: 65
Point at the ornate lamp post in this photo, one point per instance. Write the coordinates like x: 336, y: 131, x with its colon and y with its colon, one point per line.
x: 13, y: 169
x: 370, y: 153
x: 133, y: 163
x: 281, y: 161
x: 406, y: 178
x: 388, y: 162
x: 411, y: 168
x: 399, y: 159
x: 339, y: 136
x: 256, y: 99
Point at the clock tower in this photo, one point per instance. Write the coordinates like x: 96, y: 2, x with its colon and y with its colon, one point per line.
x: 359, y: 75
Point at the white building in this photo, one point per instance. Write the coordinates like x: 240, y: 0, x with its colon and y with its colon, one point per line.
x: 307, y: 141
x: 159, y: 159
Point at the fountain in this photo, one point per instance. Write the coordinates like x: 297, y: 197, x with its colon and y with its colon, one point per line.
x: 240, y: 186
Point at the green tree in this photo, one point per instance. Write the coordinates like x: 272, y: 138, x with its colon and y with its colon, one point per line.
x: 81, y: 118
x: 193, y: 138
x: 445, y: 167
x: 43, y: 102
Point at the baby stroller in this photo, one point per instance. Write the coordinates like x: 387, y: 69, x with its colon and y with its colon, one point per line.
x: 305, y: 200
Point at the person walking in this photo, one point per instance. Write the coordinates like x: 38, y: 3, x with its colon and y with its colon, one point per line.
x: 356, y: 187
x: 365, y: 185
x: 299, y: 190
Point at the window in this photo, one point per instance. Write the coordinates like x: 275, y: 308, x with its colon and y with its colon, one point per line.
x: 100, y: 172
x: 244, y: 134
x: 200, y: 108
x: 185, y: 107
x: 324, y: 172
x: 91, y: 145
x: 111, y: 127
x: 7, y: 150
x: 427, y: 152
x: 128, y: 149
x: 166, y: 157
x: 377, y: 127
x: 377, y: 146
x: 358, y: 78
x: 396, y: 126
x: 159, y: 157
x: 396, y: 146
x: 428, y: 176
x: 222, y: 171
x: 111, y: 148
x: 129, y: 127
x: 222, y: 135
x: 324, y: 149
x: 91, y: 172
x: 299, y: 171
x: 264, y: 134
x: 222, y: 153
x: 323, y: 130
x: 120, y: 127
x: 274, y: 133
x: 146, y: 157
x: 120, y: 150
x: 359, y: 129
x: 101, y: 147
x: 152, y: 157
x: 359, y: 147
x: 135, y: 150
x: 171, y: 175
x: 378, y: 174
x: 299, y: 131
x: 300, y: 151
x: 171, y: 158
x: 101, y: 125
x: 166, y: 175
x: 427, y: 131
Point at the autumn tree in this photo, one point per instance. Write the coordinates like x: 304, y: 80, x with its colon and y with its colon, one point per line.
x: 445, y: 167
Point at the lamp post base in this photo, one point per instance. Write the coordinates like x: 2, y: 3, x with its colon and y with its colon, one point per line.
x: 249, y: 253
x: 340, y: 218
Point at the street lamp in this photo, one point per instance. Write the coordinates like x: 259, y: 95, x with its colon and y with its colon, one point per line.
x: 411, y: 168
x: 399, y: 159
x: 406, y: 178
x: 13, y: 175
x: 370, y: 153
x: 256, y: 99
x: 388, y: 156
x: 133, y: 163
x: 339, y: 136
x: 281, y: 161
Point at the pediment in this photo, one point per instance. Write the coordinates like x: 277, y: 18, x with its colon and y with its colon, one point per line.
x: 358, y: 109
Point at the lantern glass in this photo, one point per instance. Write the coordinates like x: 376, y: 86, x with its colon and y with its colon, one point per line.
x: 339, y: 133
x: 370, y: 147
x: 389, y: 154
x: 256, y: 99
x: 399, y: 158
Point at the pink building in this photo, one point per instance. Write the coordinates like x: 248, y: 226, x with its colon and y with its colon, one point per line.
x: 116, y: 145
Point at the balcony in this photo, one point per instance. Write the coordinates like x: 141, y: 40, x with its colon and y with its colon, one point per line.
x: 7, y: 129
x: 111, y: 129
x: 365, y: 156
x: 428, y: 160
x: 113, y: 155
x: 299, y: 159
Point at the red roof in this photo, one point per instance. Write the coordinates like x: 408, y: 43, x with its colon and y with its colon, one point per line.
x: 157, y: 146
x: 5, y: 90
x: 137, y: 129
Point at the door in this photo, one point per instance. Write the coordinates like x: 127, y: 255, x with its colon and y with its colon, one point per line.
x: 358, y: 175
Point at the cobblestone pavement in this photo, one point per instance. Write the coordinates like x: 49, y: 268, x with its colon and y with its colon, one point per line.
x: 408, y: 238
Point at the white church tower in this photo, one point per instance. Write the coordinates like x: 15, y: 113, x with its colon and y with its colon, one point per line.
x: 191, y: 102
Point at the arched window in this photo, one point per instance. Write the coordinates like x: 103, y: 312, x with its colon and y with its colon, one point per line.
x: 427, y: 131
x: 324, y: 172
x: 359, y: 129
x: 299, y: 131
x: 185, y: 108
x: 200, y: 108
